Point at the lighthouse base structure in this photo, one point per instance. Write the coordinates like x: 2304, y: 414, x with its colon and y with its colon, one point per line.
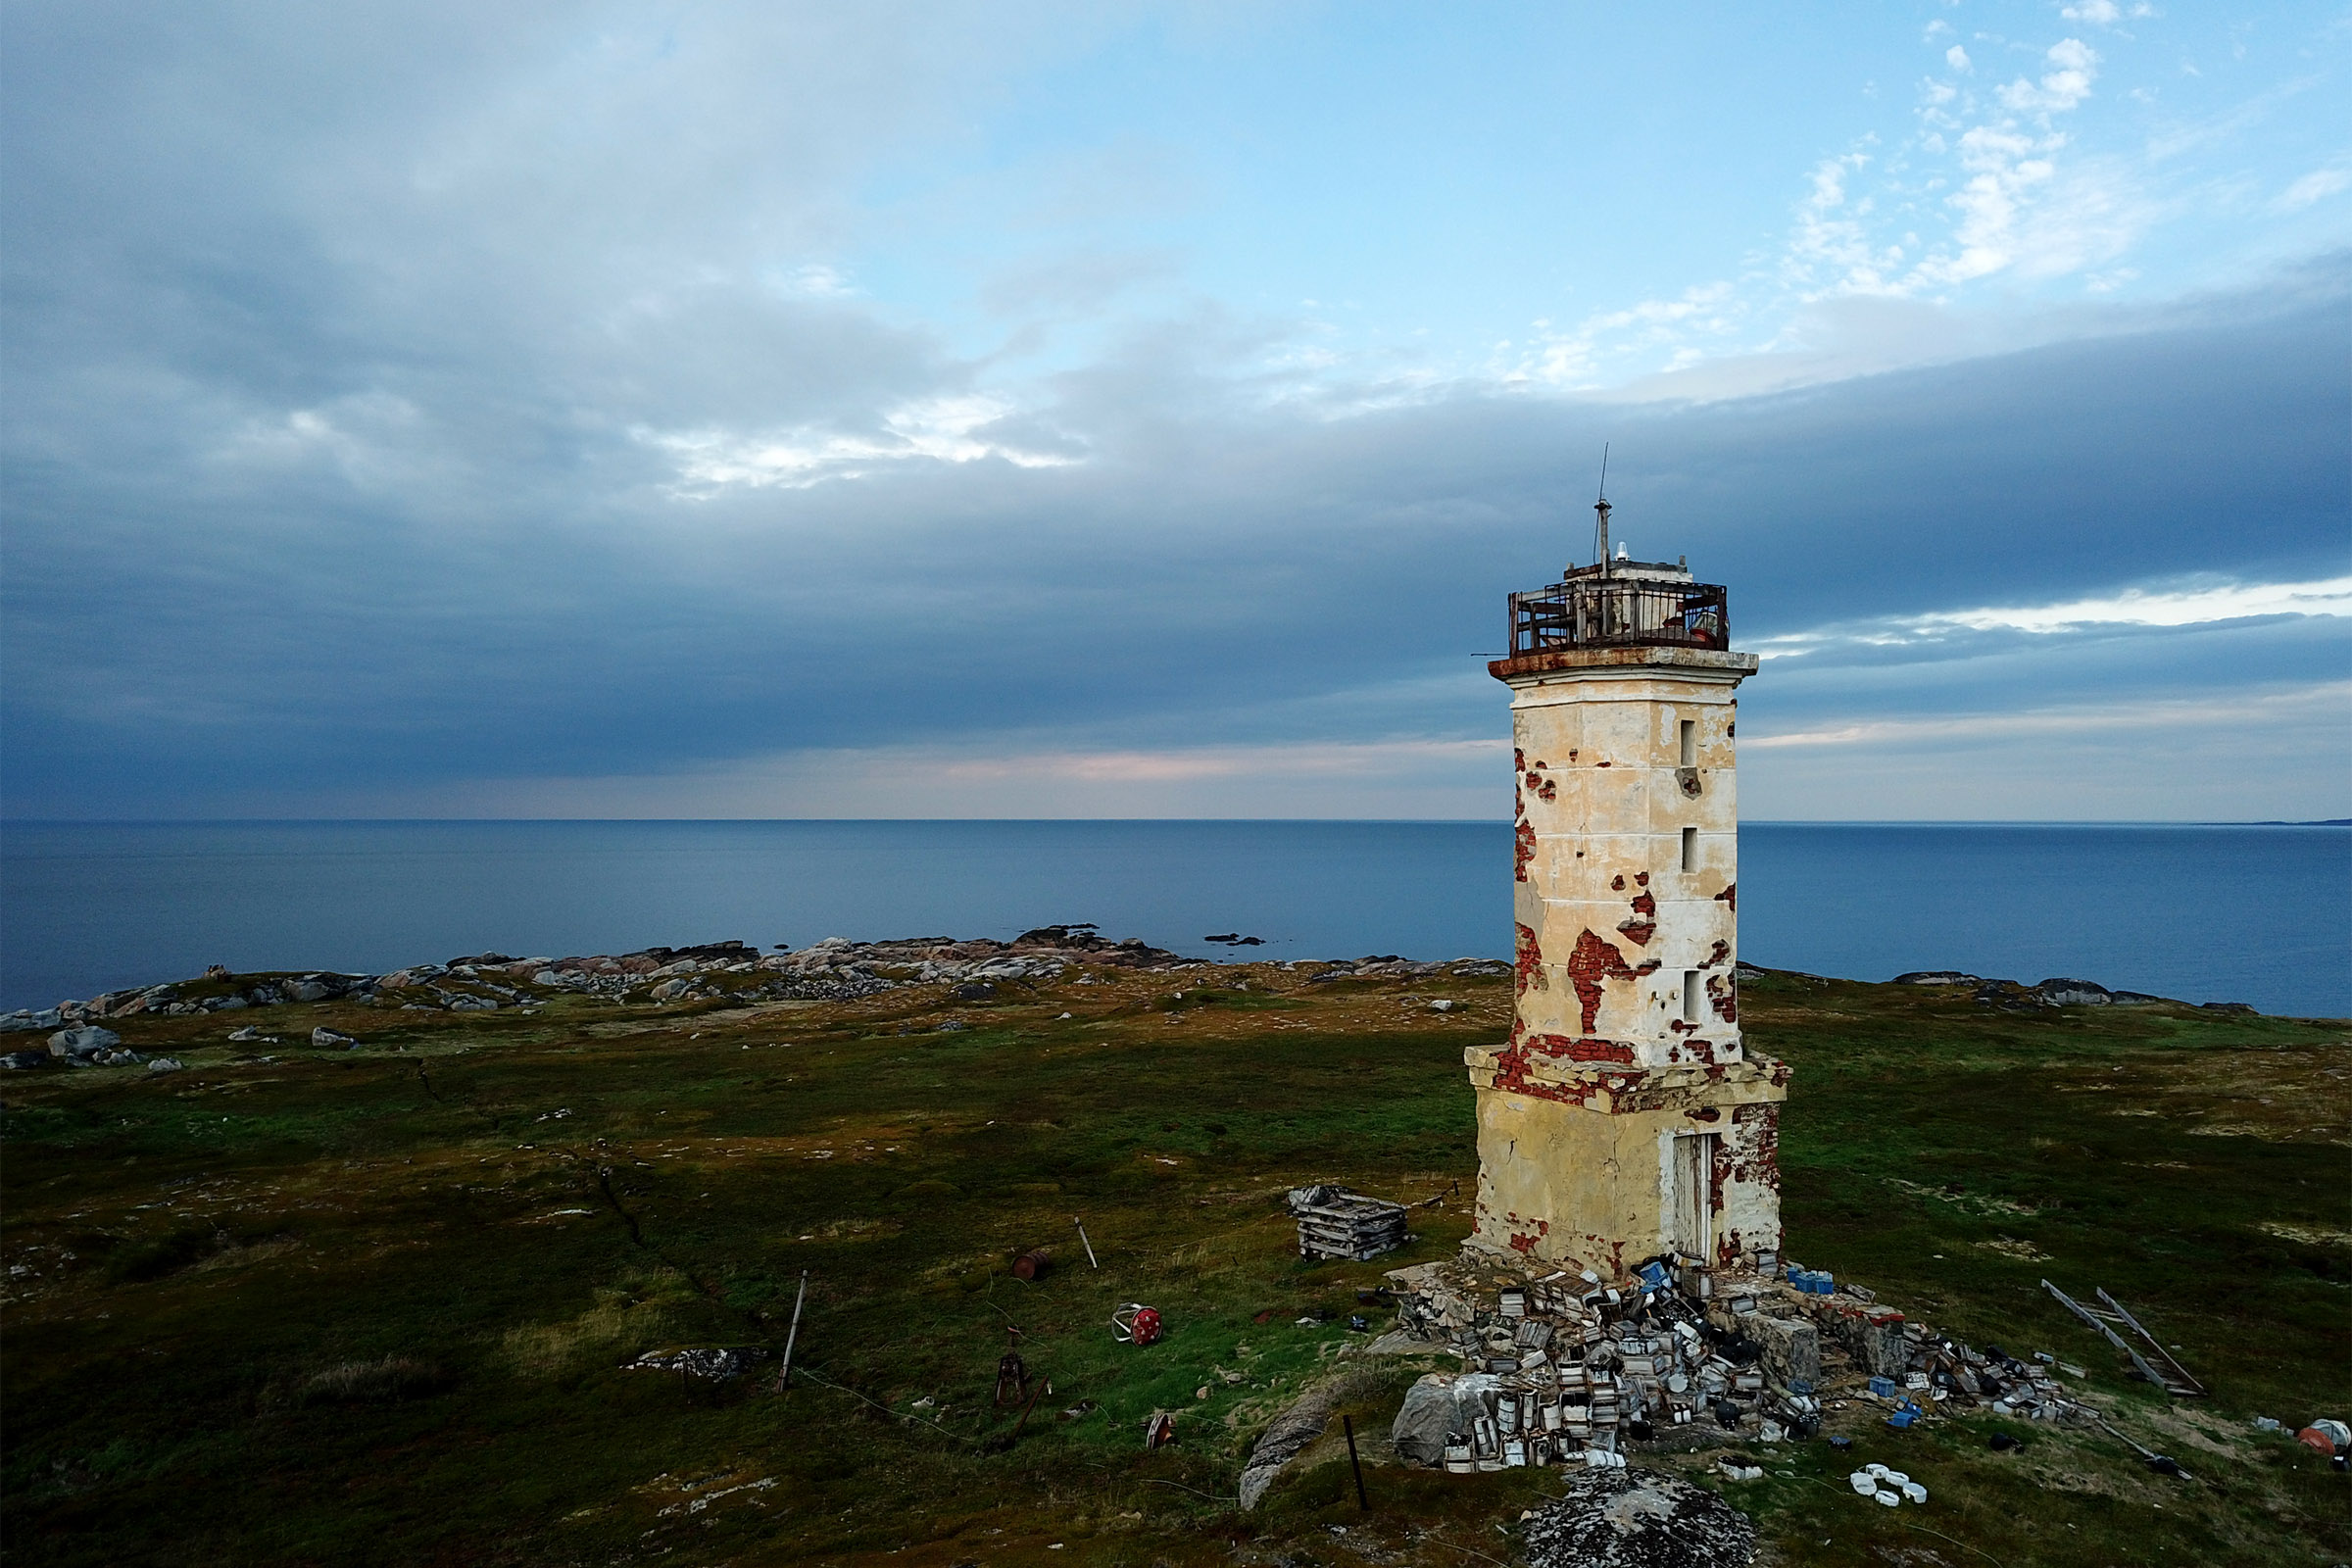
x: 1602, y: 1170
x: 1625, y: 1118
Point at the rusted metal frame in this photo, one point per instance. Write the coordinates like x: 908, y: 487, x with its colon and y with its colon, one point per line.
x: 2187, y: 1382
x: 2092, y: 1318
x: 1578, y: 615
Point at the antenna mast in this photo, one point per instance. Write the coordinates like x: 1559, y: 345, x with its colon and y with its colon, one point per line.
x: 1600, y: 510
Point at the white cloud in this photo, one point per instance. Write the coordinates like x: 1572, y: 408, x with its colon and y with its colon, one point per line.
x: 2316, y: 185
x: 1957, y: 58
x: 2075, y: 66
x: 941, y: 429
x: 2329, y: 699
x: 2199, y: 604
x: 1577, y: 358
x: 2104, y: 13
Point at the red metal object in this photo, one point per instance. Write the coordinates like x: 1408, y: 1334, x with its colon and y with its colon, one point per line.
x: 2316, y: 1441
x: 1135, y: 1324
x: 1032, y: 1265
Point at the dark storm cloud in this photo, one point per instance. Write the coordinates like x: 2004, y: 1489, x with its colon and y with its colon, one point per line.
x: 355, y: 407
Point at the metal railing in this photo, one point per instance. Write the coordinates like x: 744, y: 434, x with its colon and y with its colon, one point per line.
x: 1604, y: 613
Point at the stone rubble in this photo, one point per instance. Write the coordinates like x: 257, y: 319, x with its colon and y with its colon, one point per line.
x: 1572, y: 1369
x: 1614, y: 1518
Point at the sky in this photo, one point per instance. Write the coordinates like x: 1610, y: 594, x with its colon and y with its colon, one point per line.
x: 1142, y: 409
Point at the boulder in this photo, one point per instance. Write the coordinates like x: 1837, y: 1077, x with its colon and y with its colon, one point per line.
x: 1427, y: 1420
x: 25, y: 1061
x: 326, y: 1039
x: 86, y: 1041
x: 463, y: 1002
x: 1791, y: 1350
x: 167, y: 1064
x: 2063, y: 992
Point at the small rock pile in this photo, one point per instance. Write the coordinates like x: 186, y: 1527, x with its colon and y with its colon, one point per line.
x: 1637, y: 1519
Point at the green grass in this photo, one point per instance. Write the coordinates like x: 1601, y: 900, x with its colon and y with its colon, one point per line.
x: 331, y: 1308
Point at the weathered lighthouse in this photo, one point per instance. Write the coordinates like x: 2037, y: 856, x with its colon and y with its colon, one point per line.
x: 1623, y: 1118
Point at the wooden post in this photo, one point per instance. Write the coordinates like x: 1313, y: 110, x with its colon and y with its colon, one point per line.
x: 791, y: 1335
x: 1347, y: 1425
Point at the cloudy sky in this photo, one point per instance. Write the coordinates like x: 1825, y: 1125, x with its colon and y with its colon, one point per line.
x: 782, y: 409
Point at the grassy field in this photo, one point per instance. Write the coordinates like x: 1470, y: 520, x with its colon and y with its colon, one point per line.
x: 297, y: 1306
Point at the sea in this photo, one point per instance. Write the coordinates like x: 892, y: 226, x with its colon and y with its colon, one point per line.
x: 2258, y: 914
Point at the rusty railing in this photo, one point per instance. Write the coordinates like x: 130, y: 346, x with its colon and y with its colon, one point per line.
x: 1604, y: 613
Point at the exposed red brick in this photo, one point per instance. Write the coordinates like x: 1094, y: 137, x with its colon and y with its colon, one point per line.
x: 1618, y: 885
x: 1523, y: 845
x: 1594, y: 962
x: 1641, y: 877
x: 1729, y: 896
x: 1721, y: 998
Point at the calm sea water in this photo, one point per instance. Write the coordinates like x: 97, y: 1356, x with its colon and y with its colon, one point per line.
x: 2256, y: 914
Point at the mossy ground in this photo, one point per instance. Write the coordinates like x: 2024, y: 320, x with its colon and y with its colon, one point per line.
x: 372, y: 1306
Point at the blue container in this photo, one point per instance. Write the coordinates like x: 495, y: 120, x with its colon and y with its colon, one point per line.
x: 1884, y: 1388
x: 1902, y: 1419
x: 1652, y: 1275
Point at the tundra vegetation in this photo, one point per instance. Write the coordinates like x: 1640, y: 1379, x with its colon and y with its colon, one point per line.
x: 376, y: 1304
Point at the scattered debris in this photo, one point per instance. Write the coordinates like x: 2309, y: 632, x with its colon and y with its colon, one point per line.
x: 1082, y: 1237
x: 1563, y: 1368
x: 717, y: 1363
x: 1034, y: 1264
x: 1336, y: 1223
x: 326, y: 1039
x: 1159, y: 1429
x: 1012, y: 1380
x: 1617, y: 1518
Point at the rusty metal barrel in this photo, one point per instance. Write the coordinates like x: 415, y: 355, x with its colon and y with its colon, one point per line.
x: 1032, y: 1265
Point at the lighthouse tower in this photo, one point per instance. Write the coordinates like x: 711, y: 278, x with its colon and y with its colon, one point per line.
x: 1624, y: 1119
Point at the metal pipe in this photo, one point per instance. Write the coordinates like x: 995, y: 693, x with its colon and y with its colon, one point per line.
x: 791, y: 1336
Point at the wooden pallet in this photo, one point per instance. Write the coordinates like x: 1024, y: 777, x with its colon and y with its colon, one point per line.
x: 2165, y: 1372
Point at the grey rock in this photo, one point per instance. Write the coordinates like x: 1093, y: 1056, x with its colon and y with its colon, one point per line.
x: 311, y: 988
x: 1426, y: 1420
x: 167, y: 1064
x: 467, y: 1004
x: 1791, y: 1349
x: 1937, y: 977
x: 27, y: 1020
x: 86, y: 1041
x: 326, y: 1039
x: 249, y: 1032
x: 25, y: 1060
x: 2063, y: 992
x: 1442, y: 1005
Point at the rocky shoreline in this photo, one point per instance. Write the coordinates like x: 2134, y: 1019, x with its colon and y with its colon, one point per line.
x: 835, y: 970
